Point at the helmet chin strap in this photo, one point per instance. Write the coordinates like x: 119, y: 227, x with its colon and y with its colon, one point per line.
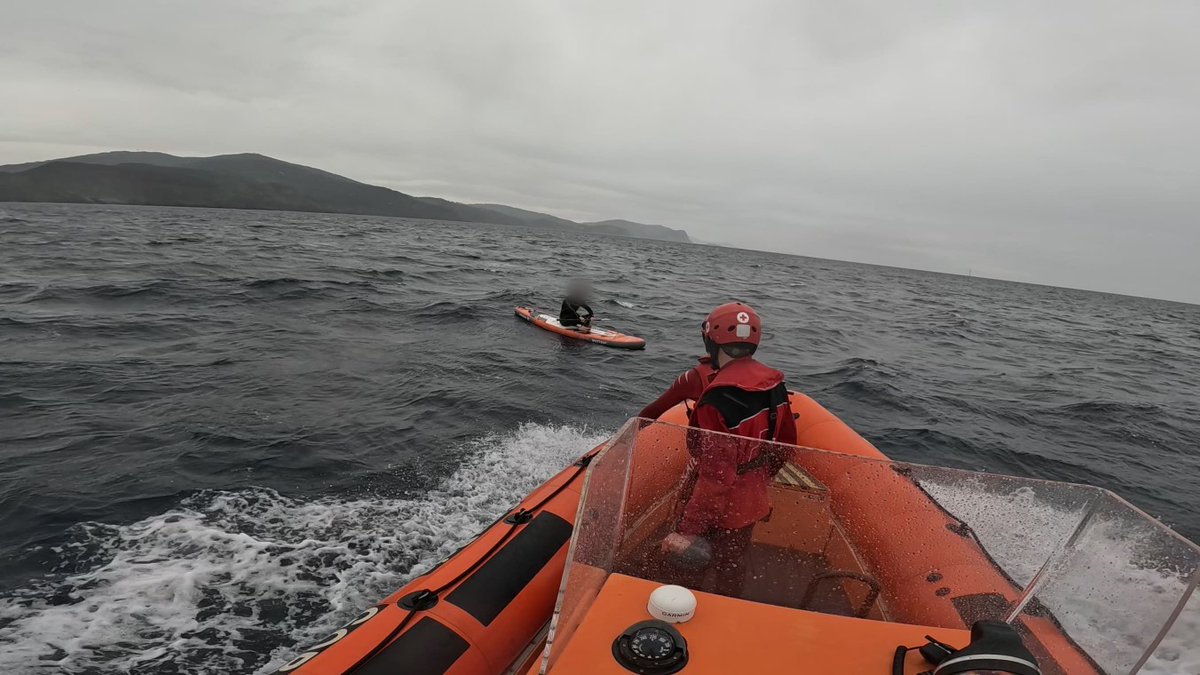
x: 714, y: 353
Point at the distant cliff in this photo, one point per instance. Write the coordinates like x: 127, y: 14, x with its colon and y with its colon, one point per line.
x: 250, y: 181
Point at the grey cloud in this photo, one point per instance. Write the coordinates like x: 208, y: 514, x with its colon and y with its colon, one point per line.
x: 1046, y: 142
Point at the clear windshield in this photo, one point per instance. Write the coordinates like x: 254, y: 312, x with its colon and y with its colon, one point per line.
x: 1091, y: 582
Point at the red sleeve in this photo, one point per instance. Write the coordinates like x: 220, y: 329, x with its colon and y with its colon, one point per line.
x: 717, y: 472
x: 687, y: 386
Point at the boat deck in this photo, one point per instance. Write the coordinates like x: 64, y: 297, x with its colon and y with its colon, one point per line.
x: 775, y: 576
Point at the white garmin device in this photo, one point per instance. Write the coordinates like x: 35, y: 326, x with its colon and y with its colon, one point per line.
x: 673, y: 604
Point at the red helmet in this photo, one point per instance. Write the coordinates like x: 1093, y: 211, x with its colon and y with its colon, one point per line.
x: 732, y: 323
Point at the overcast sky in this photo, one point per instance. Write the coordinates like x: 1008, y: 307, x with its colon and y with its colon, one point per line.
x: 1054, y: 142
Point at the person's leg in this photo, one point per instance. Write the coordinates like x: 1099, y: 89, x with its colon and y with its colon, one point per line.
x: 731, y: 560
x: 667, y: 570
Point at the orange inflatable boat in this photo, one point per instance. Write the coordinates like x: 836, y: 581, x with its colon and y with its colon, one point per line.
x: 599, y: 336
x: 859, y: 559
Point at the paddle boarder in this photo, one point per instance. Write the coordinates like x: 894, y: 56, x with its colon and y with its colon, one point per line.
x: 575, y: 312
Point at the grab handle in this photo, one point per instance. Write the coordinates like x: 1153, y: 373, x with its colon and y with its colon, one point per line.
x: 871, y: 583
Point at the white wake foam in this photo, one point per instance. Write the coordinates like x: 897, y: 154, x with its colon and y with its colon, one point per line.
x: 201, y: 588
x: 1113, y: 585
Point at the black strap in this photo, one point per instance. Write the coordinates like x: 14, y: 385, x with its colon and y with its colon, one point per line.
x: 778, y: 397
x: 762, y: 459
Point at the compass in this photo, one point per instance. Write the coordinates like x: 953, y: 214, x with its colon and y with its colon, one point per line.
x: 651, y: 648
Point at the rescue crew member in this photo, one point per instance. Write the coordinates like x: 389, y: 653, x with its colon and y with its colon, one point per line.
x: 744, y: 398
x: 575, y: 312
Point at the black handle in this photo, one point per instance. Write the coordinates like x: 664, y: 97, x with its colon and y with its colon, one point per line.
x: 864, y: 609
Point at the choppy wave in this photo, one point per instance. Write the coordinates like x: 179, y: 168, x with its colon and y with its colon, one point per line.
x: 229, y: 581
x: 133, y: 290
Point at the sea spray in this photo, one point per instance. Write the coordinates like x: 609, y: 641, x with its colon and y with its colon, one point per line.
x: 1117, y: 582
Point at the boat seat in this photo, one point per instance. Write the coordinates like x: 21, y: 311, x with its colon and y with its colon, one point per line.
x: 791, y: 475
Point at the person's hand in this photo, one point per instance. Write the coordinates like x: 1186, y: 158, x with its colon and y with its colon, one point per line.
x: 676, y: 543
